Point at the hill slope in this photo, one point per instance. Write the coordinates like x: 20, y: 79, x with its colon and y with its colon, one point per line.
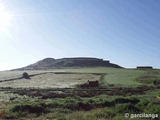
x: 51, y: 63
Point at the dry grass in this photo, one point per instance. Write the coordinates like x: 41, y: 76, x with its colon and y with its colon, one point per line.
x: 49, y: 80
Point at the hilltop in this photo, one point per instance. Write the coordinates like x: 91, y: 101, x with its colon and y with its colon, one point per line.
x: 51, y: 63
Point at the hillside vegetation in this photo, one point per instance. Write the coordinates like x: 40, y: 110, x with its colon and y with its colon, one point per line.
x: 56, y: 95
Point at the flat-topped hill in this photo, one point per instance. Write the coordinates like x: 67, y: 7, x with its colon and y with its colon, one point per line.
x: 51, y: 63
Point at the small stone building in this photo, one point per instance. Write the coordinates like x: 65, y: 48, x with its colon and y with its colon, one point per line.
x: 144, y: 67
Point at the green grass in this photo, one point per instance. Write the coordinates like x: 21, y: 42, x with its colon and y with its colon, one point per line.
x: 64, y: 105
x: 124, y: 77
x: 113, y: 76
x: 68, y: 108
x: 100, y: 107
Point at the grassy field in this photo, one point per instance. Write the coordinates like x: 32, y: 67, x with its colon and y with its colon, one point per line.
x: 51, y: 80
x: 111, y: 76
x: 45, y: 96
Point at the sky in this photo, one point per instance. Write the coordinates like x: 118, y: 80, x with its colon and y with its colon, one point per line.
x: 126, y: 32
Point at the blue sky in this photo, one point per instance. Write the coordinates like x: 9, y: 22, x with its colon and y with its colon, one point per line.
x: 126, y: 32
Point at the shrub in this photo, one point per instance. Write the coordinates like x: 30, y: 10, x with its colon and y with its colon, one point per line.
x: 58, y: 119
x: 126, y: 108
x: 142, y: 104
x: 125, y: 100
x: 85, y: 106
x: 2, y: 114
x: 25, y: 75
x: 29, y: 107
x: 153, y: 108
x: 104, y: 113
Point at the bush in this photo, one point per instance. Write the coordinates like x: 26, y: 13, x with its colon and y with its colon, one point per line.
x: 2, y: 114
x: 85, y: 106
x: 58, y: 119
x: 142, y: 104
x: 126, y: 108
x: 104, y: 114
x: 153, y: 108
x: 28, y: 107
x: 125, y: 100
x: 25, y: 75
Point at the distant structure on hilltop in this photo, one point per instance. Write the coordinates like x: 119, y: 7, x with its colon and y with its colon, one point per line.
x: 144, y: 67
x: 51, y: 63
